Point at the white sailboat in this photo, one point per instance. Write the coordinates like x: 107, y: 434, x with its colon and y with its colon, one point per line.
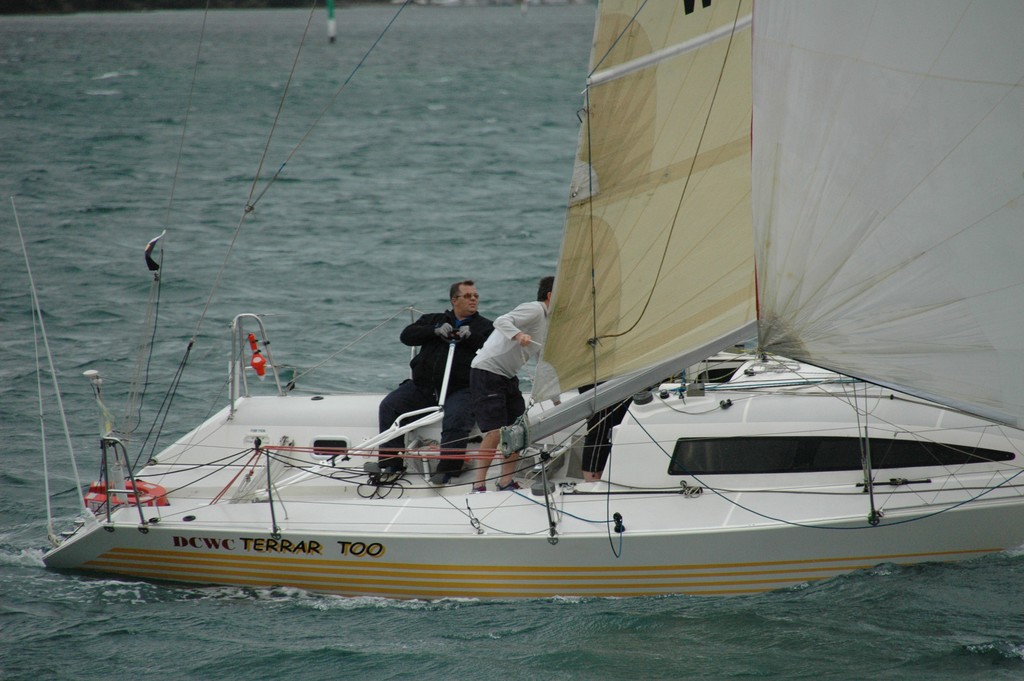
x: 863, y: 159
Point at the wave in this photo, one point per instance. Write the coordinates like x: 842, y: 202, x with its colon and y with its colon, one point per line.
x: 116, y: 74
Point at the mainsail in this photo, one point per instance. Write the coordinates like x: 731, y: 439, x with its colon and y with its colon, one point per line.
x: 887, y: 194
x: 657, y: 257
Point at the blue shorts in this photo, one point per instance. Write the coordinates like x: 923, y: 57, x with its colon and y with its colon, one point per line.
x: 497, y: 401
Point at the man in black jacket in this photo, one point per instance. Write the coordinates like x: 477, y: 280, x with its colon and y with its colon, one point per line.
x: 433, y: 333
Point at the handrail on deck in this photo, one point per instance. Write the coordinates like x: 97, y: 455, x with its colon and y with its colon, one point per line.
x: 237, y: 373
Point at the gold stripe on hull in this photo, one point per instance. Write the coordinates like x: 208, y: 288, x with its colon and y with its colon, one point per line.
x: 431, y: 581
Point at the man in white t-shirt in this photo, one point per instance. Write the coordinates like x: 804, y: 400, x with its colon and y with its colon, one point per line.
x: 497, y: 400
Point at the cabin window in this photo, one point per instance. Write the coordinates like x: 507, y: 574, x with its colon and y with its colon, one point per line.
x: 716, y: 374
x: 330, y: 447
x: 739, y: 455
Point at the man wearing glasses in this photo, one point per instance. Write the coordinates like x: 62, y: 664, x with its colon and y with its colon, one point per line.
x: 434, y: 333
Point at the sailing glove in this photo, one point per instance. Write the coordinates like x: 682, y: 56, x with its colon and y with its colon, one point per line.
x: 444, y: 331
x: 462, y: 333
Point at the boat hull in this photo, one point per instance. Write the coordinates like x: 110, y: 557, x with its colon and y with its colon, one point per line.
x: 497, y: 566
x: 667, y: 518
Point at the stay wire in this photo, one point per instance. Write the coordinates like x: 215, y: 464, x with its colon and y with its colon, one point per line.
x: 593, y: 255
x: 188, y: 111
x: 50, y: 531
x: 164, y: 410
x: 609, y: 527
x: 140, y: 376
x: 134, y: 410
x: 330, y: 102
x: 632, y: 20
x: 590, y: 193
x: 38, y: 323
x: 349, y: 345
x: 162, y: 413
x: 251, y: 202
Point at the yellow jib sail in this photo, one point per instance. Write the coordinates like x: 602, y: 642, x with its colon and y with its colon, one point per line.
x: 657, y: 258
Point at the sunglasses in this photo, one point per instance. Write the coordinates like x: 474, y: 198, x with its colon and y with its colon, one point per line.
x: 469, y: 296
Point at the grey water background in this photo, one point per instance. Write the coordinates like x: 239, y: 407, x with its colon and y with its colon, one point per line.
x: 446, y: 156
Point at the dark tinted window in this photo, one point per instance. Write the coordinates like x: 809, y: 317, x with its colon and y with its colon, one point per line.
x: 329, y: 448
x: 807, y: 454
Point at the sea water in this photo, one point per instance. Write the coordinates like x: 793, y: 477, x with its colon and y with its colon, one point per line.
x: 445, y: 155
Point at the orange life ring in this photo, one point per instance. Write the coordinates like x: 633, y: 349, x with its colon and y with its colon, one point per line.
x: 149, y: 494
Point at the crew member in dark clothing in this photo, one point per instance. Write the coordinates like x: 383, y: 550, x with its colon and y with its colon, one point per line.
x: 597, y: 444
x: 433, y: 333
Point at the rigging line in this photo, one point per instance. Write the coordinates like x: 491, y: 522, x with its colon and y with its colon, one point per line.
x: 164, y: 410
x: 819, y: 388
x: 280, y: 107
x: 140, y: 375
x: 51, y: 534
x: 865, y: 454
x: 479, y: 522
x: 327, y: 107
x: 616, y: 551
x: 223, y: 462
x: 251, y: 202
x: 152, y: 339
x: 562, y: 512
x: 217, y: 279
x: 615, y: 42
x: 686, y: 183
x: 215, y: 404
x: 986, y: 490
x: 809, y: 526
x: 919, y: 436
x: 346, y: 347
x: 590, y: 186
x: 167, y: 221
x: 251, y: 462
x: 37, y: 316
x: 155, y: 298
x: 593, y: 253
x: 188, y: 110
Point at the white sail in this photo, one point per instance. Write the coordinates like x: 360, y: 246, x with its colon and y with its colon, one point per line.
x: 888, y: 150
x: 657, y: 259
